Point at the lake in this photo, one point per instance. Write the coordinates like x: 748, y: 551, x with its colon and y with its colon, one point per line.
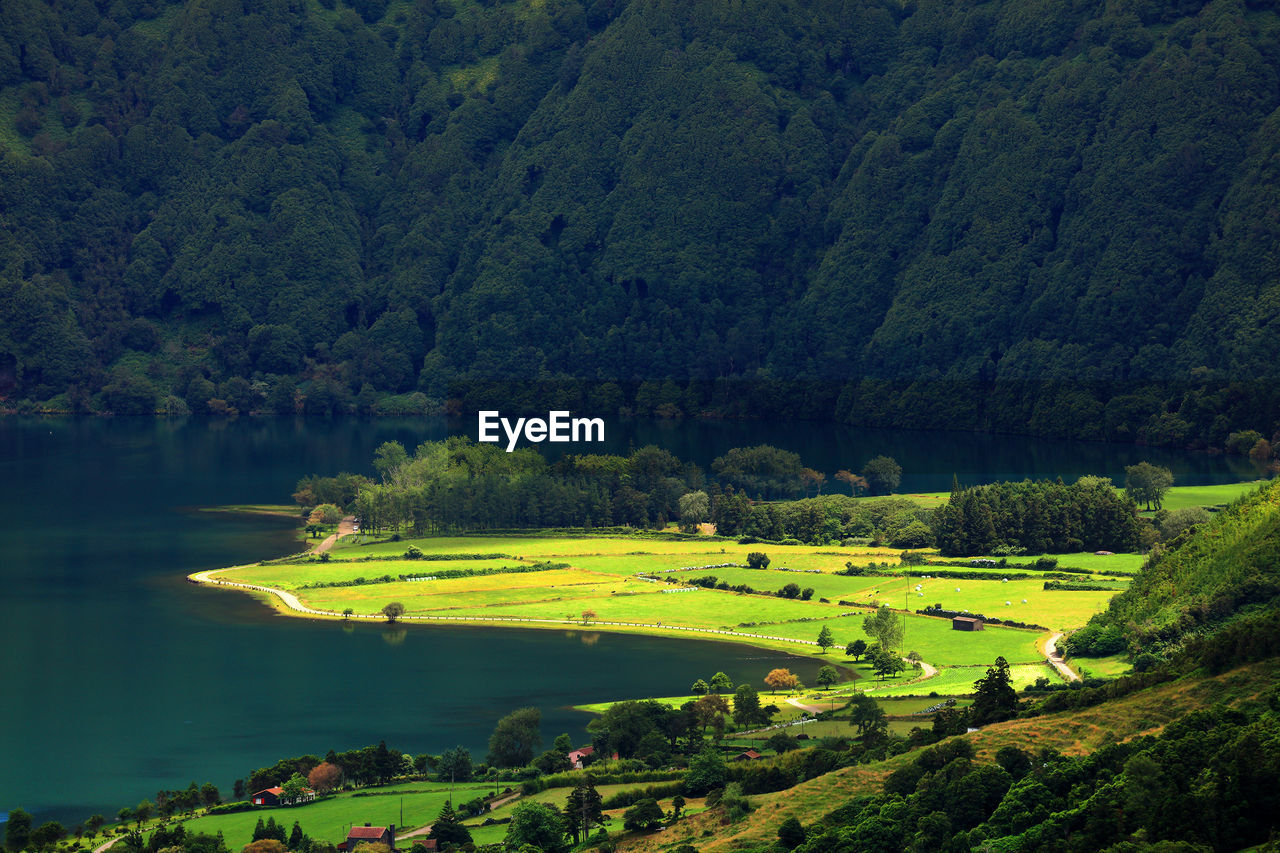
x: 119, y: 678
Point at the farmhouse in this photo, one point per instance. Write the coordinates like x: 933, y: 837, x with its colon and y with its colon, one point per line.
x: 578, y: 755
x: 275, y: 797
x: 749, y: 755
x: 966, y: 623
x: 369, y: 834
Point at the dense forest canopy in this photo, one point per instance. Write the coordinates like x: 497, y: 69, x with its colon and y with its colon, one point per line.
x: 1016, y: 214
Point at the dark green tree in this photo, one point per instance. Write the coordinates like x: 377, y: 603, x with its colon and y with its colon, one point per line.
x: 883, y: 474
x: 993, y: 696
x: 17, y: 830
x: 448, y: 830
x: 515, y: 738
x: 537, y: 824
x: 643, y: 815
x: 1147, y: 483
x: 583, y: 809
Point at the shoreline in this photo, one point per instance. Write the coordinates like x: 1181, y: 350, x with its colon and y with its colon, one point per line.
x: 288, y: 604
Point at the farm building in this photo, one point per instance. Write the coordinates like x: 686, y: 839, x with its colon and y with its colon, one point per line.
x: 749, y: 755
x: 578, y: 755
x: 966, y: 623
x: 369, y: 834
x: 275, y: 797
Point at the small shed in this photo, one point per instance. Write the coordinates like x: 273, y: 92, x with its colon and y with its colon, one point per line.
x: 966, y: 623
x: 749, y: 755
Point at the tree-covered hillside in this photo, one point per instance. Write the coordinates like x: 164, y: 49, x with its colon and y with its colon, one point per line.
x: 990, y: 215
x: 1208, y: 577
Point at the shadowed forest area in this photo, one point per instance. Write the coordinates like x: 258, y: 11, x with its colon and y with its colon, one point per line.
x: 1036, y: 216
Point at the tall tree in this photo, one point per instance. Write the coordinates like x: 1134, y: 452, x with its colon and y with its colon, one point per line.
x: 583, y: 809
x: 515, y: 738
x: 993, y: 696
x: 454, y: 765
x: 17, y: 830
x: 883, y: 474
x: 1147, y: 483
x: 885, y: 626
x: 448, y: 830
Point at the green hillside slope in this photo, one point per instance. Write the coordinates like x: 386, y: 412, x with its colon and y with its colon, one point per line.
x: 1216, y: 572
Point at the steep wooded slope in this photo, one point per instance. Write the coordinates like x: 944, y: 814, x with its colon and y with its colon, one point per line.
x: 318, y: 197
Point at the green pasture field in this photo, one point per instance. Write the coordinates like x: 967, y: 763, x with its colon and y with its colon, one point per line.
x: 1176, y: 498
x: 1107, y: 667
x: 328, y: 819
x: 576, y: 591
x: 1097, y: 563
x: 602, y: 579
x: 700, y: 608
x: 932, y: 637
x: 1179, y: 497
x: 293, y: 576
x: 958, y: 681
x: 1053, y: 609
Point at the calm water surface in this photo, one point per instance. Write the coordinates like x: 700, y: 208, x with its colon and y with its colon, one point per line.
x: 119, y: 678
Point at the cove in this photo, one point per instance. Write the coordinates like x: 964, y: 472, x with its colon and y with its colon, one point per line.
x: 119, y: 678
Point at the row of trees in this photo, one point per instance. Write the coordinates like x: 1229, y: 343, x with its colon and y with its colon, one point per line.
x: 459, y: 484
x: 1035, y: 517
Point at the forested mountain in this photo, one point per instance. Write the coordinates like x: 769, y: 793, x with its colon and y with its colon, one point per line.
x: 1033, y: 214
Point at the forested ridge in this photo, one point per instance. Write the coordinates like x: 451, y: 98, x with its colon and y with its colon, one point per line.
x: 1055, y: 217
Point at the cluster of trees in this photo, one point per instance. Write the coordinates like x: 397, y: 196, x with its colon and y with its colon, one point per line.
x: 898, y: 522
x: 1035, y: 517
x: 655, y: 733
x: 368, y: 765
x: 461, y: 484
x: 395, y: 206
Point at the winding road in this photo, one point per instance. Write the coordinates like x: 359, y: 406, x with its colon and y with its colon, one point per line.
x: 1054, y: 657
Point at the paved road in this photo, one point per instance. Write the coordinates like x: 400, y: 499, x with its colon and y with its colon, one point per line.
x: 1054, y: 657
x: 345, y: 528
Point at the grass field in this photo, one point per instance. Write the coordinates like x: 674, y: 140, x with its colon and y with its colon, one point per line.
x: 1179, y: 497
x: 1108, y: 667
x: 1176, y: 498
x: 602, y: 578
x: 328, y: 819
x: 1099, y: 563
x: 958, y: 681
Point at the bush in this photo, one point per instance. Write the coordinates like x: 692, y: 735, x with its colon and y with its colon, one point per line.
x: 631, y: 796
x: 228, y: 808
